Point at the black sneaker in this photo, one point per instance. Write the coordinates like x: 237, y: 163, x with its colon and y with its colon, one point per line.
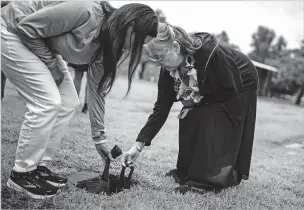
x: 31, y: 184
x: 50, y: 177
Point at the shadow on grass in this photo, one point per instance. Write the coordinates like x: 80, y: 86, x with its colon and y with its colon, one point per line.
x: 13, y: 200
x: 293, y: 139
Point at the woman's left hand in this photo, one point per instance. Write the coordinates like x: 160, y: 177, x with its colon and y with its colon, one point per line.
x: 129, y: 157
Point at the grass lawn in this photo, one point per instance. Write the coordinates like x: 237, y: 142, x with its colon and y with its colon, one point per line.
x: 276, y: 179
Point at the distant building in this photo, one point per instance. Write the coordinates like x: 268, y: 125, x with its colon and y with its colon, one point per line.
x: 265, y: 72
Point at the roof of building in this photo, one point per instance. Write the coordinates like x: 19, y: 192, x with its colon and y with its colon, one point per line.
x: 264, y: 66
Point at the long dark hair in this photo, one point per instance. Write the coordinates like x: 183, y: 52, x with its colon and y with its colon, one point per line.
x: 112, y: 39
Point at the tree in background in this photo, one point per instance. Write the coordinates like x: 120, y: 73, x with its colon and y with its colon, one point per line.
x: 280, y: 46
x: 224, y: 39
x: 261, y: 42
x: 279, y: 49
x: 302, y: 47
x: 301, y: 92
x: 290, y: 79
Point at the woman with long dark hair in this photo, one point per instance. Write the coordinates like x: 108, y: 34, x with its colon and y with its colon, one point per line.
x: 217, y: 86
x: 37, y: 39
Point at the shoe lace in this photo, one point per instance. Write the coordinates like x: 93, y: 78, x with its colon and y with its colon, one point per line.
x: 34, y: 178
x: 45, y: 170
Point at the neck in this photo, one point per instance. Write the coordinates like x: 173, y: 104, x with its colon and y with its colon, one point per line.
x: 182, y: 68
x: 187, y: 61
x: 183, y: 61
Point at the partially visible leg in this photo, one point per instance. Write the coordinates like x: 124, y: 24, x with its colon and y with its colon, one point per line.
x: 85, y: 106
x: 3, y: 81
x: 79, y: 72
x: 77, y: 80
x: 37, y: 88
x: 69, y: 104
x: 142, y: 70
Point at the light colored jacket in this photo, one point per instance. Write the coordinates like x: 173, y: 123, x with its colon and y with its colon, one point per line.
x: 67, y: 28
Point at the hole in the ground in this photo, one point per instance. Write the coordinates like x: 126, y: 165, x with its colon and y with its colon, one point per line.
x: 115, y: 185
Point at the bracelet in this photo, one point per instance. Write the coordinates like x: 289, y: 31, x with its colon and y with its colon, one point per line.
x: 103, y: 138
x: 138, y: 148
x: 101, y: 141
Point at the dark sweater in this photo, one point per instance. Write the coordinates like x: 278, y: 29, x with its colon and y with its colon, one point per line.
x: 223, y: 81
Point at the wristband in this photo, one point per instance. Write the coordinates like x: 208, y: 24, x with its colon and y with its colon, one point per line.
x: 138, y: 148
x: 100, y: 139
x: 103, y: 141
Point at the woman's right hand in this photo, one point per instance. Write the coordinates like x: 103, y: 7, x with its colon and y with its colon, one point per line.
x: 104, y: 151
x: 58, y: 75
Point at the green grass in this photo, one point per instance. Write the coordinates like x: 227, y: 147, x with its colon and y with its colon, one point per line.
x: 276, y: 179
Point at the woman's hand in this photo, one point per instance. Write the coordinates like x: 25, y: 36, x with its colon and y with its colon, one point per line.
x: 58, y: 75
x: 104, y: 151
x: 130, y: 156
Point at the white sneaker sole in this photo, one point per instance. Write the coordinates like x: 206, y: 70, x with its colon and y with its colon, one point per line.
x: 56, y: 184
x: 14, y: 186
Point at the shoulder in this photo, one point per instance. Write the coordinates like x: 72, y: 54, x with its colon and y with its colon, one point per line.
x: 212, y: 49
x: 93, y: 8
x: 206, y: 52
x: 79, y: 7
x: 89, y: 12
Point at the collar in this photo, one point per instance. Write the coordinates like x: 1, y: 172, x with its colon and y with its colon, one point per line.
x: 189, y: 66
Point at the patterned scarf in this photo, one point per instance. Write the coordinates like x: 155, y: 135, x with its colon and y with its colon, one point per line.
x: 188, y: 95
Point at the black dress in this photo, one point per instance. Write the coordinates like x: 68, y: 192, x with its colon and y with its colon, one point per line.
x: 216, y: 136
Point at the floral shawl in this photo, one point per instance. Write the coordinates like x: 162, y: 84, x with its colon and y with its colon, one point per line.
x: 188, y: 95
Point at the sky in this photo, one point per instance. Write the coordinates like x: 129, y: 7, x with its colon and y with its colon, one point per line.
x: 240, y: 19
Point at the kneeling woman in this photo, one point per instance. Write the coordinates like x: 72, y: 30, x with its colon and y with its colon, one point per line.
x: 218, y: 89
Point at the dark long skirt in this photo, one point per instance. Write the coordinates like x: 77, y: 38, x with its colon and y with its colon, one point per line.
x: 214, y: 151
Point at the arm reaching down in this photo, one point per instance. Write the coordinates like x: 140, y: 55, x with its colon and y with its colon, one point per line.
x: 96, y: 107
x: 165, y: 98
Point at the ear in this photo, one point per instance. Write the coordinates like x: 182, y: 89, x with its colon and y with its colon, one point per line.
x: 176, y: 47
